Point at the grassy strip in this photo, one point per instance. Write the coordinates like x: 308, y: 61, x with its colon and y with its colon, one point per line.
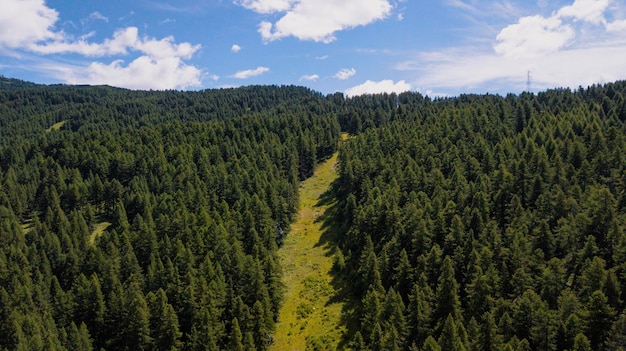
x: 98, y: 230
x: 56, y: 126
x: 310, y: 317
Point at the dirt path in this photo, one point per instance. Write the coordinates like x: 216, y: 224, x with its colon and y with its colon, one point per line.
x: 307, y: 319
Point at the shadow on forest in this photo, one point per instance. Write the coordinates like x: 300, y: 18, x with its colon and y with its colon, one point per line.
x: 333, y: 229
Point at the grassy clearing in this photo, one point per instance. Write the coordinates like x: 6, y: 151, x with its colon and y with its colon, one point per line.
x: 56, y: 126
x: 310, y: 317
x: 97, y: 231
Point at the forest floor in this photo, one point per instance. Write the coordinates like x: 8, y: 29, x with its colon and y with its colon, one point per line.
x: 311, y: 315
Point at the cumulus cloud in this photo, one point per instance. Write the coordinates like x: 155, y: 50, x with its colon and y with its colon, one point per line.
x: 312, y: 77
x: 26, y: 21
x: 586, y: 10
x: 384, y: 86
x: 138, y: 74
x: 617, y: 26
x: 235, y: 48
x: 532, y: 36
x: 581, y: 43
x: 316, y: 20
x: 28, y: 25
x: 345, y: 73
x: 251, y: 72
x: 123, y: 41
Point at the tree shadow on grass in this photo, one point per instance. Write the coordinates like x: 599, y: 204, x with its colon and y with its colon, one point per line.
x: 334, y: 227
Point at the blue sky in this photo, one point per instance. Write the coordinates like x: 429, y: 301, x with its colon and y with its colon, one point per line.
x: 438, y: 48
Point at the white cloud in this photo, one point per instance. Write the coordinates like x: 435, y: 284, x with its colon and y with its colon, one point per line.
x: 235, y: 48
x: 532, y: 36
x: 568, y: 68
x: 251, y: 72
x: 384, y: 86
x: 97, y: 16
x: 123, y: 40
x: 316, y: 20
x: 142, y: 73
x: 312, y: 77
x: 345, y: 73
x: 617, y: 26
x: 324, y: 57
x: 26, y: 21
x: 575, y: 46
x: 28, y: 25
x: 586, y: 10
x: 266, y: 6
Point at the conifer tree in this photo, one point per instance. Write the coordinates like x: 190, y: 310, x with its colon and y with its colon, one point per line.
x: 449, y: 338
x: 447, y: 294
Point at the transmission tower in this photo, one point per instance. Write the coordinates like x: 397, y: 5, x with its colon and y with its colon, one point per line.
x: 529, y: 79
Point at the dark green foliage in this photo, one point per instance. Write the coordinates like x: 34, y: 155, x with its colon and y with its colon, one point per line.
x: 502, y: 215
x: 150, y: 220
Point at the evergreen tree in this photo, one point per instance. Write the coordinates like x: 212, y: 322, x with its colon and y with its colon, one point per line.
x: 236, y: 342
x: 448, y: 303
x: 449, y: 338
x: 599, y: 320
x: 581, y: 343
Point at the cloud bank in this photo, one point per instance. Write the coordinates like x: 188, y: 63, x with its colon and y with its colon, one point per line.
x: 28, y: 26
x: 384, y: 86
x: 576, y: 45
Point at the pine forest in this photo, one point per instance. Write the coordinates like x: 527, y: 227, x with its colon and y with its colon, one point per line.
x: 152, y: 220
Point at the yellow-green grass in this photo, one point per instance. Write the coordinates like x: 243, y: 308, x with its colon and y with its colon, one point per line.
x: 98, y: 230
x: 56, y: 126
x: 308, y: 313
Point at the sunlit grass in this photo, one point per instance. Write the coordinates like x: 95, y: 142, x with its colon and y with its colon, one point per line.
x: 98, y: 230
x: 307, y: 312
x: 56, y: 126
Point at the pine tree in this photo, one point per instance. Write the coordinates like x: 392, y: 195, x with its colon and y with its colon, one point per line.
x: 617, y: 338
x: 372, y: 311
x: 581, y: 343
x: 236, y: 342
x: 448, y: 303
x: 449, y: 338
x: 78, y: 338
x: 358, y: 344
x: 599, y: 319
x: 137, y: 320
x: 490, y: 340
x: 393, y: 316
x: 419, y: 312
x: 430, y: 344
x: 164, y: 329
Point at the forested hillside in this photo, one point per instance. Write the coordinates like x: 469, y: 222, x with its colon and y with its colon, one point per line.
x: 488, y: 223
x: 151, y: 220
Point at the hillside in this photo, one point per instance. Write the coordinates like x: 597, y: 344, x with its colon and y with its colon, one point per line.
x: 310, y: 317
x: 490, y: 223
x: 149, y: 220
x: 169, y: 220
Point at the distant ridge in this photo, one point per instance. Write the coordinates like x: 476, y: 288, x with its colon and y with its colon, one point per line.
x: 12, y: 83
